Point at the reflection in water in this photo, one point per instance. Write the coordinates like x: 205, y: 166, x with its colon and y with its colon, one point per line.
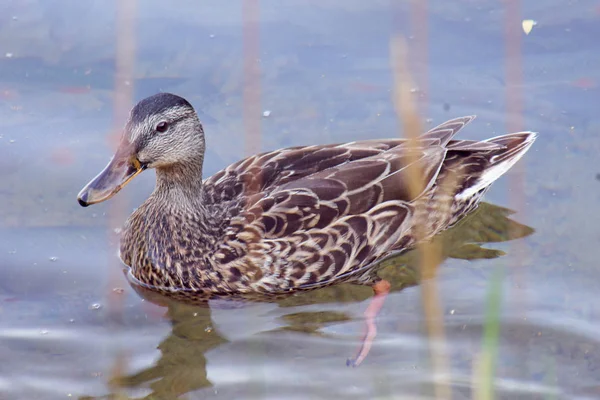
x: 182, y: 366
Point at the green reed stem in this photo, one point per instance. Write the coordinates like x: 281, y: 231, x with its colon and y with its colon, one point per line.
x: 491, y: 333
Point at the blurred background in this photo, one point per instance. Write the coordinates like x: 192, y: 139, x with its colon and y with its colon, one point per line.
x: 266, y: 74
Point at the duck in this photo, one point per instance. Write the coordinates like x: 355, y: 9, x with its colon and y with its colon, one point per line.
x: 297, y: 218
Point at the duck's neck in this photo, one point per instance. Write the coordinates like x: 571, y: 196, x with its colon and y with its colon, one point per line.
x: 180, y: 185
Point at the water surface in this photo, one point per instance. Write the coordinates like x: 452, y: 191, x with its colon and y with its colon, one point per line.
x: 73, y: 327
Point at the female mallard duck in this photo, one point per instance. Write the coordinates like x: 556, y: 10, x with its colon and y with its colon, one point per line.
x: 292, y: 219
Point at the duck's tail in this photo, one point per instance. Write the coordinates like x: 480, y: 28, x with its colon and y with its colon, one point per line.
x: 500, y: 160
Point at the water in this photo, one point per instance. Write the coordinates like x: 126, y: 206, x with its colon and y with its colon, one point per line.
x: 73, y: 327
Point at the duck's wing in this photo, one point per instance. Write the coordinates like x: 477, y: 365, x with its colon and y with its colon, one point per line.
x: 271, y: 170
x: 325, y: 225
x: 310, y: 215
x: 267, y: 171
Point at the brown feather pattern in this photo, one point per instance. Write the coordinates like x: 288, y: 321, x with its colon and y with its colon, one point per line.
x: 307, y: 217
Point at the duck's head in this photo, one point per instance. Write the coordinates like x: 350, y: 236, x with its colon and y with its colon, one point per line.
x: 163, y: 132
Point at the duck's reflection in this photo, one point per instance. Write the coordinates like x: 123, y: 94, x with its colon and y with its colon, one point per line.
x: 181, y: 367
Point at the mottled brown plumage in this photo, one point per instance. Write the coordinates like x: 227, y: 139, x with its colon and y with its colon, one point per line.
x: 293, y: 219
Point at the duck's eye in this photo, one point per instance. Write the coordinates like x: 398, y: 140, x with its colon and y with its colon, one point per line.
x: 162, y: 126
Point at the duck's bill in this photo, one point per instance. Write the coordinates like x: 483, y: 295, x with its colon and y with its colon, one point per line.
x: 119, y: 171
